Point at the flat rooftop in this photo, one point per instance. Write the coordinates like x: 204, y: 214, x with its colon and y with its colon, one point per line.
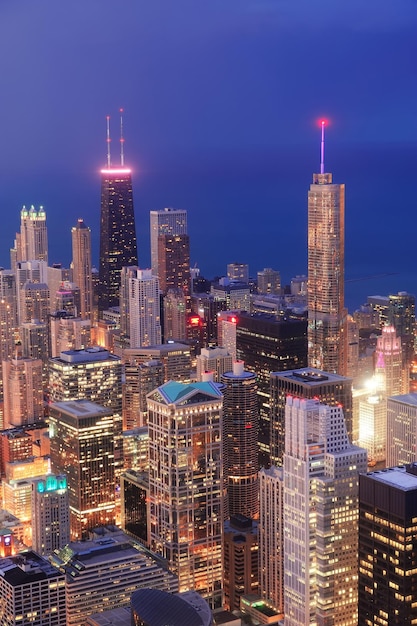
x: 310, y: 376
x: 407, y: 398
x: 396, y: 476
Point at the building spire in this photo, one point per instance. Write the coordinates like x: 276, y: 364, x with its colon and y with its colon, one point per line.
x: 122, y: 141
x: 108, y: 142
x: 323, y: 124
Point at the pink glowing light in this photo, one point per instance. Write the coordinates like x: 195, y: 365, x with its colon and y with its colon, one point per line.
x: 116, y: 171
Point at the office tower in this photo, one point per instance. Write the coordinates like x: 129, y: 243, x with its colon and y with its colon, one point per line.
x: 238, y: 272
x: 34, y: 302
x: 175, y: 358
x: 165, y: 222
x: 144, y: 311
x: 32, y: 591
x: 34, y: 339
x: 208, y: 308
x: 92, y: 568
x: 15, y: 445
x: 8, y: 312
x: 134, y: 489
x: 271, y: 514
x: 23, y: 391
x: 135, y: 449
x: 298, y: 285
x: 175, y: 315
x: 216, y: 360
x: 402, y: 315
x: 82, y: 447
x: 268, y: 343
x: 236, y: 294
x: 269, y: 281
x: 67, y: 298
x: 118, y: 247
x: 82, y: 267
x: 33, y: 240
x: 305, y: 383
x: 373, y: 426
x: 186, y: 484
x: 390, y: 376
x: 68, y: 333
x: 226, y: 331
x: 240, y: 442
x: 326, y: 273
x: 139, y: 380
x: 321, y: 485
x: 149, y: 606
x: 401, y: 429
x: 241, y: 571
x: 50, y: 514
x: 174, y: 263
x: 387, y: 547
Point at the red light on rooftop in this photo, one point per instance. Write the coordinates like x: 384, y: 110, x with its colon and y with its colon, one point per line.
x: 323, y: 121
x: 195, y: 320
x: 233, y: 319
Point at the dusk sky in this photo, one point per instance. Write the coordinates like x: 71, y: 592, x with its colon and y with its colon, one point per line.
x: 221, y: 99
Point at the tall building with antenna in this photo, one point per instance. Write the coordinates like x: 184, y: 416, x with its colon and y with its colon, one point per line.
x: 118, y: 247
x: 327, y: 316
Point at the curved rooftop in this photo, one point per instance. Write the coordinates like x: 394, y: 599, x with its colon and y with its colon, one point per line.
x: 160, y: 608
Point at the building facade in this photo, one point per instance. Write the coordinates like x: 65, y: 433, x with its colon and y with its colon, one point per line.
x: 82, y: 267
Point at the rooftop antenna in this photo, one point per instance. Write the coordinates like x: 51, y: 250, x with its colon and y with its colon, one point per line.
x: 122, y: 141
x: 108, y: 142
x: 323, y: 124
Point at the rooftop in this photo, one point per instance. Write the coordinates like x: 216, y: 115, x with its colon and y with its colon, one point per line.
x: 399, y: 477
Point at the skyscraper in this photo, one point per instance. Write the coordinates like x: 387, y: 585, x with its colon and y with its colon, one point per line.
x: 174, y: 263
x: 50, y: 514
x: 143, y: 310
x: 388, y: 547
x: 33, y: 238
x: 23, y: 391
x: 327, y: 341
x: 240, y: 441
x: 321, y: 486
x: 186, y: 485
x: 118, y: 247
x: 401, y: 429
x: 82, y: 268
x: 165, y: 222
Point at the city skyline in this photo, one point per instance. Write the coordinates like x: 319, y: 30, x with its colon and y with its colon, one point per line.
x: 217, y: 124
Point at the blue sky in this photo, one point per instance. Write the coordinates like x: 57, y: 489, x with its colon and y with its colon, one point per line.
x: 210, y: 87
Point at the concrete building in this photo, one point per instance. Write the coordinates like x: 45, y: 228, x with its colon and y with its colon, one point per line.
x: 401, y: 430
x: 269, y: 281
x: 165, y: 222
x: 23, y: 392
x: 240, y: 560
x: 50, y: 514
x: 82, y: 267
x: 214, y: 359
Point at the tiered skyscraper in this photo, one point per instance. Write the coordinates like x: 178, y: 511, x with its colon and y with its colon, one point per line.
x: 118, y: 247
x: 327, y: 343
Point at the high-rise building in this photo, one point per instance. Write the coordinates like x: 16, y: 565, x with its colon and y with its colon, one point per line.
x: 388, y: 547
x: 269, y: 343
x: 271, y: 515
x: 269, y: 281
x: 402, y: 315
x: 144, y: 310
x: 34, y: 302
x: 23, y: 391
x: 326, y: 270
x: 238, y: 271
x: 82, y: 447
x: 68, y: 333
x: 33, y: 238
x: 174, y: 263
x: 175, y: 358
x: 118, y: 246
x: 321, y: 486
x: 139, y: 380
x: 32, y: 591
x: 240, y: 442
x: 134, y: 488
x: 186, y: 484
x: 401, y: 429
x: 240, y: 560
x: 165, y: 222
x: 207, y: 307
x: 308, y: 383
x: 391, y: 379
x: 236, y: 294
x: 175, y: 315
x: 215, y: 359
x: 82, y: 267
x: 50, y: 514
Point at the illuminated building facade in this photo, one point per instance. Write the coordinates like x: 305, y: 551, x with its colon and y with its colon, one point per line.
x: 216, y: 360
x: 402, y: 315
x: 373, y: 426
x: 50, y: 514
x: 139, y: 380
x: 104, y: 571
x: 327, y: 341
x: 240, y: 442
x: 165, y: 222
x: 23, y: 391
x: 238, y: 271
x: 268, y: 343
x: 82, y: 447
x: 118, y: 247
x: 305, y: 383
x: 389, y: 374
x: 16, y: 445
x: 34, y: 302
x: 269, y: 281
x: 32, y: 591
x: 271, y: 515
x: 240, y: 560
x: 207, y: 307
x: 236, y: 294
x: 321, y: 486
x: 144, y: 309
x: 175, y: 358
x: 401, y: 429
x: 33, y: 240
x: 68, y: 333
x: 134, y: 489
x: 186, y: 484
x: 174, y: 263
x: 388, y: 547
x: 175, y: 315
x: 82, y: 267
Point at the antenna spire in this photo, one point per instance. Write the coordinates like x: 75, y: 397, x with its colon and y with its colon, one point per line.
x: 108, y: 142
x: 323, y: 124
x: 122, y: 141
